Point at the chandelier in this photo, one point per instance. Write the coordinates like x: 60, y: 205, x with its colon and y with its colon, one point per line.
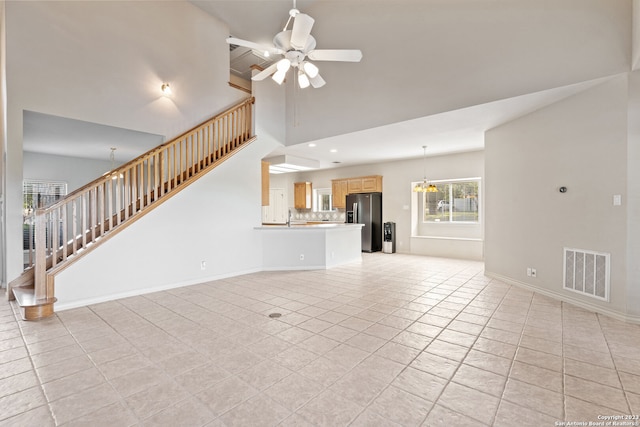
x: 425, y: 186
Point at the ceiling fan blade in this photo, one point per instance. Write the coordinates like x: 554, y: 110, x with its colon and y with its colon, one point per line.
x: 265, y: 73
x: 317, y: 81
x: 254, y: 46
x: 301, y: 30
x: 346, y: 55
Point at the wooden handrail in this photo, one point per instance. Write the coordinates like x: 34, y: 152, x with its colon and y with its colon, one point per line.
x: 87, y: 215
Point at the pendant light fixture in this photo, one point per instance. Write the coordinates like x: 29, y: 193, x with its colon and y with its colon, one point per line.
x: 425, y: 186
x: 112, y: 159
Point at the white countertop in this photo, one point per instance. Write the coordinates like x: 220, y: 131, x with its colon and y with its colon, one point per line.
x: 303, y: 226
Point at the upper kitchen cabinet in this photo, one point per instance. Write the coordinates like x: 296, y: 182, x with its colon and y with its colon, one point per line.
x: 354, y: 185
x: 372, y: 184
x: 363, y: 184
x: 339, y: 192
x: 302, y: 195
x: 265, y: 184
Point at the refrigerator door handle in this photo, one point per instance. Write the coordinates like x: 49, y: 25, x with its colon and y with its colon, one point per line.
x: 355, y: 213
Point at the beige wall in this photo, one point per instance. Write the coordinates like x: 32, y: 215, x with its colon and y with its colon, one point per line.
x: 580, y: 143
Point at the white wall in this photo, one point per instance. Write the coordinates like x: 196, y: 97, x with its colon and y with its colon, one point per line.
x: 74, y: 171
x: 397, y: 199
x: 212, y: 220
x: 633, y: 197
x: 3, y: 141
x: 104, y: 62
x: 580, y: 143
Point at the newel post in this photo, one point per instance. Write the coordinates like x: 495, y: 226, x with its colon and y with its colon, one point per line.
x: 40, y: 262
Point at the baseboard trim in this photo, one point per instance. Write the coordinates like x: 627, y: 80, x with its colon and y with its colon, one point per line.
x: 566, y: 298
x: 135, y: 292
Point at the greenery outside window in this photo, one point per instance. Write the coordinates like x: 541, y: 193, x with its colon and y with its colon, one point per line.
x: 456, y: 201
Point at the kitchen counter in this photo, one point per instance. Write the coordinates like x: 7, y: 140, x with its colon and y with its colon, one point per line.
x: 310, y: 225
x: 310, y: 246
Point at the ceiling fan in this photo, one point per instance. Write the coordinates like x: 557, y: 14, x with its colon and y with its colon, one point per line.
x: 296, y: 45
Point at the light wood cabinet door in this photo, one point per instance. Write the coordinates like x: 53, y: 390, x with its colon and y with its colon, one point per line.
x: 302, y: 195
x: 265, y: 184
x: 339, y: 192
x: 372, y: 184
x: 354, y: 185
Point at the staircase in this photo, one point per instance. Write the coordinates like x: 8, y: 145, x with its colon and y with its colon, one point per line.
x: 64, y: 231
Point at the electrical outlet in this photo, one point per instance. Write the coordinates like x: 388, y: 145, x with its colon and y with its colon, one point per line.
x: 301, y: 257
x: 529, y: 271
x: 533, y: 273
x: 203, y: 265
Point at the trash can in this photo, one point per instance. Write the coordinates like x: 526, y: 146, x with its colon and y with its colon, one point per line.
x: 389, y: 240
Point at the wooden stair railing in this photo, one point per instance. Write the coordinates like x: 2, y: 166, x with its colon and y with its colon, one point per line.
x: 65, y: 230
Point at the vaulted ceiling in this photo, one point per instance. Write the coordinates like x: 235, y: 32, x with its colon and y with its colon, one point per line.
x: 434, y: 72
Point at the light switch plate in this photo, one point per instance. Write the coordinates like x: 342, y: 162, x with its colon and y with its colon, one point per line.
x: 617, y: 199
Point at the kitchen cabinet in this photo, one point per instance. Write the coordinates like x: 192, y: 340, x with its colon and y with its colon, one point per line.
x: 276, y: 212
x: 339, y: 192
x: 372, y: 184
x: 354, y: 185
x: 302, y: 195
x: 363, y: 184
x: 265, y: 183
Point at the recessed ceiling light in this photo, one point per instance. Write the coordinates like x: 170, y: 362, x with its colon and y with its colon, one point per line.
x: 333, y: 150
x: 166, y: 89
x: 312, y: 145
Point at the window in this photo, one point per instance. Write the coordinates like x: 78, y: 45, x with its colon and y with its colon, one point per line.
x: 455, y: 201
x: 39, y: 194
x: 322, y: 200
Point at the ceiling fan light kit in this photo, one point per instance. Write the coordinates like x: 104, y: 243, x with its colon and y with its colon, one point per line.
x: 296, y: 45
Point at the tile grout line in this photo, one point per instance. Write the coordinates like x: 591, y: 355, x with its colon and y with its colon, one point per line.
x: 613, y: 360
x: 513, y: 359
x: 434, y: 338
x: 15, y: 311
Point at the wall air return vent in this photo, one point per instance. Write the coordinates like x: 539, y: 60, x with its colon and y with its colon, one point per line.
x: 587, y: 273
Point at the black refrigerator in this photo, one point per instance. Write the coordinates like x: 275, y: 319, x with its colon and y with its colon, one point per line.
x: 366, y: 208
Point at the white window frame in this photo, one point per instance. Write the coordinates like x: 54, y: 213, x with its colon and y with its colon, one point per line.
x: 317, y: 195
x: 453, y: 181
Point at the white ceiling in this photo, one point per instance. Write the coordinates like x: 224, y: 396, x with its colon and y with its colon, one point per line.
x: 372, y: 27
x: 434, y: 72
x: 448, y: 132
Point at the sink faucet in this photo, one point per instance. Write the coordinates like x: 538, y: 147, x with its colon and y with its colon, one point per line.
x: 289, y: 219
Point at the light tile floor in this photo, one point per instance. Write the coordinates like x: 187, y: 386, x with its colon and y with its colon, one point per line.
x: 394, y: 340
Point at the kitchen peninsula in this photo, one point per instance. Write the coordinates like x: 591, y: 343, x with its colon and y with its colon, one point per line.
x: 310, y: 246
